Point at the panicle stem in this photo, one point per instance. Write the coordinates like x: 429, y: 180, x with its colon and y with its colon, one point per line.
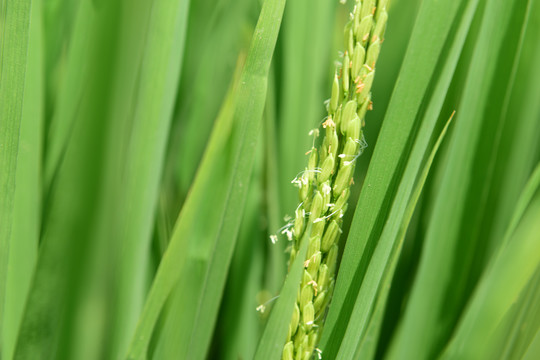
x: 324, y: 186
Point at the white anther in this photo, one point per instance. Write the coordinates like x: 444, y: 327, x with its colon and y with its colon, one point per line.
x: 262, y: 308
x: 286, y: 230
x: 325, y: 217
x: 300, y: 179
x: 363, y: 145
x: 326, y: 189
x: 288, y: 233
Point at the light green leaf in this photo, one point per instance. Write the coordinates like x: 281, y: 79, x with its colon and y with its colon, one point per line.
x: 147, y: 121
x: 431, y: 29
x: 220, y: 34
x: 520, y: 324
x: 520, y: 138
x: 504, y: 279
x: 368, y: 345
x: 207, y: 201
x: 27, y: 198
x: 534, y: 348
x: 440, y: 288
x: 14, y: 30
x: 217, y: 250
x: 71, y: 91
x: 51, y: 313
x: 366, y: 319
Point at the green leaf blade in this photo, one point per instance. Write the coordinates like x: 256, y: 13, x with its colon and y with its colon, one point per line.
x: 438, y: 291
x: 248, y: 109
x: 418, y: 66
x: 15, y: 22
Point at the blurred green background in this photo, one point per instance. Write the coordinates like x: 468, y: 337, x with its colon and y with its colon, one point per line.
x: 147, y: 149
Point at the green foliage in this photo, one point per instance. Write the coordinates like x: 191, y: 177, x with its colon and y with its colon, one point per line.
x: 142, y: 179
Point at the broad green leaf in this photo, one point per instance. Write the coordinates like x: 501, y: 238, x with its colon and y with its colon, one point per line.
x: 534, y: 348
x: 71, y: 91
x: 27, y: 198
x: 431, y: 29
x: 59, y: 19
x: 363, y: 345
x: 524, y: 200
x: 102, y: 335
x: 440, y: 288
x: 365, y: 324
x: 14, y: 32
x: 248, y: 109
x: 484, y: 187
x: 210, y: 205
x: 51, y: 310
x: 150, y: 111
x: 520, y: 138
x: 522, y: 319
x: 239, y: 321
x: 216, y: 33
x: 520, y: 324
x: 504, y: 279
x: 218, y: 250
x: 363, y: 331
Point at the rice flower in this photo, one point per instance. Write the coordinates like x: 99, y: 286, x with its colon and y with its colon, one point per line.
x: 324, y: 186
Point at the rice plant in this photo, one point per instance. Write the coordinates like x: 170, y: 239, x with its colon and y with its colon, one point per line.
x: 152, y: 153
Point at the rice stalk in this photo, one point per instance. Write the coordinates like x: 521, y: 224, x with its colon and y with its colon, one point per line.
x: 324, y: 185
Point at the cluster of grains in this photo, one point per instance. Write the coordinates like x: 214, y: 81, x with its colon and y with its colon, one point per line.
x: 325, y: 183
